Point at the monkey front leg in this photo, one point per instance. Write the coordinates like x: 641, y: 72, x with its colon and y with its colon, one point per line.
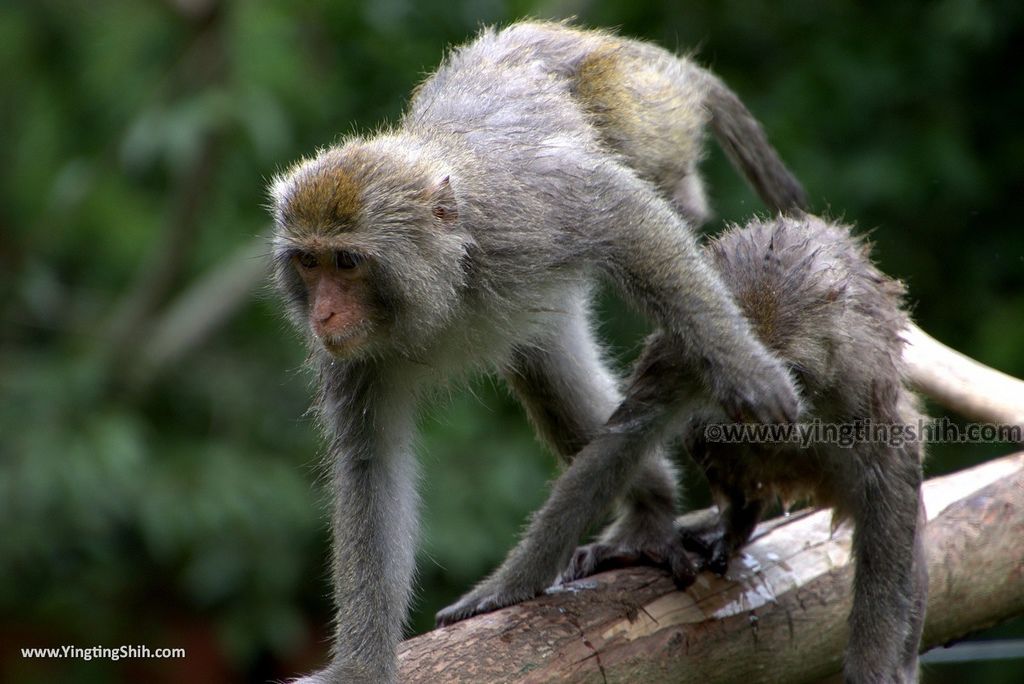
x: 374, y: 529
x: 569, y: 393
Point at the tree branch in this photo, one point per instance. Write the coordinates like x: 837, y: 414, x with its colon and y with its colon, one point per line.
x: 781, y: 611
x: 960, y: 383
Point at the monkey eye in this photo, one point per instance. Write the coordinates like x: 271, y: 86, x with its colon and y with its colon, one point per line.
x: 346, y: 260
x: 307, y: 260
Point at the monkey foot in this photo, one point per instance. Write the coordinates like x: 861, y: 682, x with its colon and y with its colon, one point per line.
x: 598, y: 557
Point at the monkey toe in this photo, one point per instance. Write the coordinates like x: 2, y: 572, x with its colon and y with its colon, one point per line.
x: 599, y: 557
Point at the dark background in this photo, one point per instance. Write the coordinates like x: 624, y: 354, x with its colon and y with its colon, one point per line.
x: 158, y: 480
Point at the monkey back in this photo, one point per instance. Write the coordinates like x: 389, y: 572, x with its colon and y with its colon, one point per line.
x: 534, y: 80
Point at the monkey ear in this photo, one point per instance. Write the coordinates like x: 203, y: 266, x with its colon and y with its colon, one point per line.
x: 442, y: 199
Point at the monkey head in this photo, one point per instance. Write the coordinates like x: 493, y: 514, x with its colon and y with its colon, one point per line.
x: 368, y: 249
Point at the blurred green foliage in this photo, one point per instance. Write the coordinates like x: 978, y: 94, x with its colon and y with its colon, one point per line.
x: 158, y: 479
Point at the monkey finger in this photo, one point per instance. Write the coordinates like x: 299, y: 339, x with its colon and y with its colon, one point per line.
x: 701, y: 544
x: 451, y: 615
x: 457, y: 612
x: 594, y: 558
x: 764, y: 396
x: 768, y: 410
x: 710, y: 546
x: 483, y: 600
x: 470, y: 606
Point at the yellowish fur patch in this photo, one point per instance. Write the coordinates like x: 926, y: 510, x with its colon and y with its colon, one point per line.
x: 323, y: 193
x: 641, y: 109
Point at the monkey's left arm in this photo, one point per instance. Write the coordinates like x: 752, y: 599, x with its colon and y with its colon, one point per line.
x: 603, y: 471
x: 658, y: 263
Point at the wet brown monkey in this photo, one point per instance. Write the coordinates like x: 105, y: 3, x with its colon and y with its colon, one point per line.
x: 816, y: 300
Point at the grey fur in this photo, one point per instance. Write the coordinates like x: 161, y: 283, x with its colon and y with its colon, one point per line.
x: 529, y: 165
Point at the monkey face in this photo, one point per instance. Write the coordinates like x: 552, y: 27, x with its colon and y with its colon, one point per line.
x: 369, y: 250
x: 337, y: 296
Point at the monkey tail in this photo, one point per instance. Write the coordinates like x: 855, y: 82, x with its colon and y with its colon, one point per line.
x: 961, y: 383
x: 747, y: 146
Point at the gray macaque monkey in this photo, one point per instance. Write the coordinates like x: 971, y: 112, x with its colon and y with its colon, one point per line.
x: 816, y: 300
x: 535, y: 161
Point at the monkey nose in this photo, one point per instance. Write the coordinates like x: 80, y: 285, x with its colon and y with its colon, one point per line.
x: 323, y: 315
x: 322, y: 322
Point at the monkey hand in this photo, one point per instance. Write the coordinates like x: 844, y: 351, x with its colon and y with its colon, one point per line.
x: 670, y: 556
x: 760, y: 392
x: 488, y: 596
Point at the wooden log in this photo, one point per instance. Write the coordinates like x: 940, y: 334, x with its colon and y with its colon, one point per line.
x: 779, y: 615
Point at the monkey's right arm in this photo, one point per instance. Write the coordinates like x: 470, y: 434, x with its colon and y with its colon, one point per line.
x: 373, y: 520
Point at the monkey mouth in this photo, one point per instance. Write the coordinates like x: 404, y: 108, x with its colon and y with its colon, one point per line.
x: 348, y: 342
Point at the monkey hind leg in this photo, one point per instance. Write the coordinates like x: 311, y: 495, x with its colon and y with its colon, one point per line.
x: 919, y: 594
x: 651, y: 107
x: 571, y: 398
x: 646, y: 105
x: 717, y: 538
x: 569, y: 392
x: 890, y: 583
x: 581, y: 497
